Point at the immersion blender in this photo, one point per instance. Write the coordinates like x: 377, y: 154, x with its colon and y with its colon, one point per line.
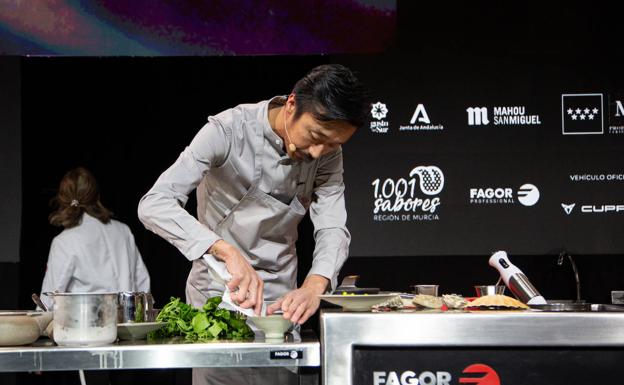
x: 515, y: 279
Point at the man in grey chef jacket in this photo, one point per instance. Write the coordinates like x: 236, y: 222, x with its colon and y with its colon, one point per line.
x: 257, y: 169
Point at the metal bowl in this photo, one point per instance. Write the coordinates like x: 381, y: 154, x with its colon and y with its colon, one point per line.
x: 483, y: 290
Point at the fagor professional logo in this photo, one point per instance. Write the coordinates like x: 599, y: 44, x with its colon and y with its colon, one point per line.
x: 408, y: 199
x: 478, y: 374
x: 527, y: 195
x: 420, y: 121
x: 379, y: 111
x: 409, y: 377
x: 487, y: 375
x: 502, y: 116
x: 581, y: 114
x: 568, y: 207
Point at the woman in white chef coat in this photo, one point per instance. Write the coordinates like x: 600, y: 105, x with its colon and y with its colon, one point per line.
x: 94, y: 253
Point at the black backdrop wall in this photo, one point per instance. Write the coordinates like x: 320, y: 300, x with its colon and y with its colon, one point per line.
x: 128, y: 118
x: 10, y: 172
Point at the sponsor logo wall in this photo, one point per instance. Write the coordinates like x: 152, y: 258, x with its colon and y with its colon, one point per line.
x: 467, y: 173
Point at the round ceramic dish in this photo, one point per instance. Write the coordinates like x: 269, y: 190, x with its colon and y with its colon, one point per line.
x: 274, y: 326
x: 358, y: 302
x: 137, y: 330
x: 22, y: 328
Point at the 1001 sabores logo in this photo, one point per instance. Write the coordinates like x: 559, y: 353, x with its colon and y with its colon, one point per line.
x: 408, y: 199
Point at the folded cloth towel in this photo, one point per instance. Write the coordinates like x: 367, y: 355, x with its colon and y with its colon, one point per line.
x: 219, y: 273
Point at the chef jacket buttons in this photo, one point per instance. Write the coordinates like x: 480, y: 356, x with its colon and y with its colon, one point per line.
x: 278, y: 142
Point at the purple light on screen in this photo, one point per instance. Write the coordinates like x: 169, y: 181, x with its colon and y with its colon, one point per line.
x: 187, y: 27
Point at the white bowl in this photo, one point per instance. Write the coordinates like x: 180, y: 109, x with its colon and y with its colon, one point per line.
x: 138, y: 330
x: 274, y: 326
x: 22, y: 328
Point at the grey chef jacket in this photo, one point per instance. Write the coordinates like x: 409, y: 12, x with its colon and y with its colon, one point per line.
x: 220, y: 161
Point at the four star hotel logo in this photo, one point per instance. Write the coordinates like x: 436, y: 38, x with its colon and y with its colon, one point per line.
x: 581, y: 114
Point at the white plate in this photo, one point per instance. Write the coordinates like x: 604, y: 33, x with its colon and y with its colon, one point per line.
x: 358, y: 302
x: 138, y: 330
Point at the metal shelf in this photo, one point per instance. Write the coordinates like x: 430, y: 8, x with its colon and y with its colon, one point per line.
x: 44, y: 355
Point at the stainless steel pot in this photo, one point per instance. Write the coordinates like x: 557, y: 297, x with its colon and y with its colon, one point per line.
x: 84, y: 319
x: 135, y: 307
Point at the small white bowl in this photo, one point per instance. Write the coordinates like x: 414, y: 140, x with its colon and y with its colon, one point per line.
x: 137, y: 330
x: 274, y: 326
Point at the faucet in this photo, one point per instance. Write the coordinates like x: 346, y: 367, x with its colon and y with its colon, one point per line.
x: 562, y: 255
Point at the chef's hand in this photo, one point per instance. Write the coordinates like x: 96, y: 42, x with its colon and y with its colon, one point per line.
x: 245, y: 286
x: 300, y: 304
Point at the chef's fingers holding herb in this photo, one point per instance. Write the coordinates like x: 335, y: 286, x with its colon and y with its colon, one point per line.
x: 245, y: 285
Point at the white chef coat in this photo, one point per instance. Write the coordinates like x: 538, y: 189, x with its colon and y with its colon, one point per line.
x: 94, y: 257
x: 220, y: 163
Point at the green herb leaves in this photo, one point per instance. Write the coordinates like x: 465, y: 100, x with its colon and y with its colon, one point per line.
x: 205, y: 324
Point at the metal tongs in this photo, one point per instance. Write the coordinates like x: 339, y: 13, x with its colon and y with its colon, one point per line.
x: 348, y: 286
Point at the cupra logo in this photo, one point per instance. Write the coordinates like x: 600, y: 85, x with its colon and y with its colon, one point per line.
x: 489, y: 375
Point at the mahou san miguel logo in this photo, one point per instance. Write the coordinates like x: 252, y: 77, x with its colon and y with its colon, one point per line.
x: 476, y: 374
x: 408, y: 199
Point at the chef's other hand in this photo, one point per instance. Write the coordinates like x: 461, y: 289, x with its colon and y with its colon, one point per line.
x: 245, y: 286
x: 299, y: 305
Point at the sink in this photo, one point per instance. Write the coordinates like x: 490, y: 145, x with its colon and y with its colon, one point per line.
x: 606, y: 308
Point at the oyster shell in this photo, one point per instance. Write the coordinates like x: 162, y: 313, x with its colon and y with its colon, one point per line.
x: 428, y: 301
x: 454, y: 301
x: 498, y: 300
x: 394, y: 302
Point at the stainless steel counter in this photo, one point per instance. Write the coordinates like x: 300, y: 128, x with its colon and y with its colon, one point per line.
x: 342, y: 331
x: 45, y: 355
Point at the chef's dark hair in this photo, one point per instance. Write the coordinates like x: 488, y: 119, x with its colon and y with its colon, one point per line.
x: 332, y: 92
x: 78, y: 193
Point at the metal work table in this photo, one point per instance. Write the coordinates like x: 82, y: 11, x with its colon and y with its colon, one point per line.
x: 171, y: 353
x: 513, y: 332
